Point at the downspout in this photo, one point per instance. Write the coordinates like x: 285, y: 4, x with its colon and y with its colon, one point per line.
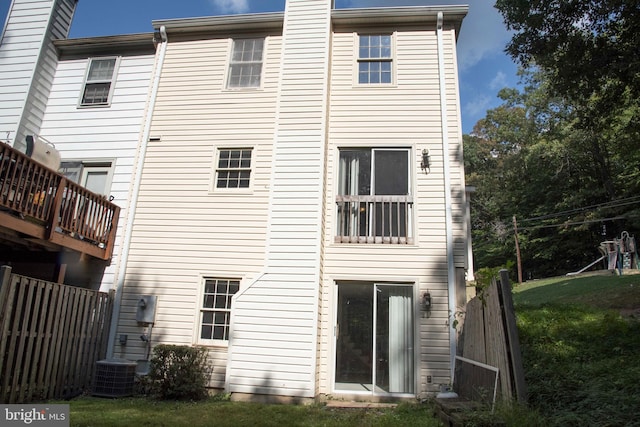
x: 451, y: 281
x: 126, y: 244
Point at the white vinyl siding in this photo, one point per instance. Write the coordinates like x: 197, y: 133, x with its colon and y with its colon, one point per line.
x: 183, y: 230
x: 101, y: 135
x: 28, y: 64
x: 409, y: 115
x: 274, y: 335
x: 455, y: 150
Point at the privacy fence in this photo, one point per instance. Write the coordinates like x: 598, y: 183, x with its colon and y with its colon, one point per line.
x: 491, y: 364
x: 51, y: 335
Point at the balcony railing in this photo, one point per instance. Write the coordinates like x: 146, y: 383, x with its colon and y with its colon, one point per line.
x: 375, y: 219
x: 41, y: 203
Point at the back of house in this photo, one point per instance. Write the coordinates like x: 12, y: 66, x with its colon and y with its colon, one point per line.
x: 301, y: 207
x: 292, y: 188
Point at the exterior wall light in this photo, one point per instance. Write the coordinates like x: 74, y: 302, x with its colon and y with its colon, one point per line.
x: 425, y: 164
x: 426, y: 301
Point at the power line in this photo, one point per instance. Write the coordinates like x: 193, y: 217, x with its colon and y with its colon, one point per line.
x: 612, y: 204
x: 565, y: 224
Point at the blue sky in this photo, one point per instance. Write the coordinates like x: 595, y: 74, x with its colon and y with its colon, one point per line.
x: 483, y: 67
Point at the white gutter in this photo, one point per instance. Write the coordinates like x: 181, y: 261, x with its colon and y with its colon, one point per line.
x: 451, y: 276
x: 126, y: 244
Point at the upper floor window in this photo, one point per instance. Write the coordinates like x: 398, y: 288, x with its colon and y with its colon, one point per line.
x: 375, y: 59
x: 245, y: 66
x: 234, y: 168
x: 215, y: 314
x: 99, y: 82
x: 374, y: 198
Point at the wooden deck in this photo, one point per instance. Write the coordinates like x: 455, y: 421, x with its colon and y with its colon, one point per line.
x: 41, y: 208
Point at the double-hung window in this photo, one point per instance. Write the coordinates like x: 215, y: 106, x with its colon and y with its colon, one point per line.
x: 99, y: 82
x: 215, y: 314
x: 375, y: 59
x: 374, y: 201
x: 245, y: 66
x: 233, y: 168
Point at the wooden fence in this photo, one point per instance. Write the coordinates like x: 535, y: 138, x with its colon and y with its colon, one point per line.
x: 490, y: 345
x: 51, y: 335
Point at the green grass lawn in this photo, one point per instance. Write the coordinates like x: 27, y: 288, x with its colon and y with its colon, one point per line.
x: 580, y: 342
x: 98, y: 412
x: 616, y: 292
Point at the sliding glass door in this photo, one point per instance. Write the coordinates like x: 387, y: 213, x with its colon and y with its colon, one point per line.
x: 374, y: 338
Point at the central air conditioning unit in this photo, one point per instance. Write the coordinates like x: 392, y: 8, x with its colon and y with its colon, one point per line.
x: 114, y: 378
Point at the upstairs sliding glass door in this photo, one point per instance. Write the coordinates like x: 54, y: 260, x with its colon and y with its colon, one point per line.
x: 374, y: 339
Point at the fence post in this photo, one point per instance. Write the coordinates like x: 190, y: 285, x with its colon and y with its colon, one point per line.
x: 512, y: 335
x: 5, y: 275
x: 5, y: 281
x: 56, y: 210
x: 6, y: 309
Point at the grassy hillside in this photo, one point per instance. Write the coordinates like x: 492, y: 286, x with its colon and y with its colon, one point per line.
x: 580, y: 339
x: 615, y: 292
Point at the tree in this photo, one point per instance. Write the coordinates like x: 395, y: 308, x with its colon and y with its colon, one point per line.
x: 563, y: 154
x: 588, y: 46
x: 589, y: 52
x: 529, y: 158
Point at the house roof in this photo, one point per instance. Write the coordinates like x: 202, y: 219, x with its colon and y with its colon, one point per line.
x: 453, y: 15
x: 106, y: 45
x: 244, y: 22
x: 272, y: 21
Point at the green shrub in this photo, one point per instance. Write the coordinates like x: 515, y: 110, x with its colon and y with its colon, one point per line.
x: 179, y: 372
x: 485, y: 275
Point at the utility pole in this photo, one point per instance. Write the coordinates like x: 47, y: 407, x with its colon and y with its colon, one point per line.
x: 519, y: 260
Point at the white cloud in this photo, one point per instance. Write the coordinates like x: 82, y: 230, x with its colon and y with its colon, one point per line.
x: 499, y: 81
x: 483, y: 34
x: 478, y: 106
x: 231, y: 6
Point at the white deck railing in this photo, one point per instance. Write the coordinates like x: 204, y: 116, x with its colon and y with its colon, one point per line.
x: 374, y: 219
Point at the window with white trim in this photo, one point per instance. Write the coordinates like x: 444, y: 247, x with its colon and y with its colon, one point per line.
x: 375, y: 59
x: 234, y: 168
x: 215, y: 314
x: 374, y: 201
x: 99, y: 82
x: 245, y: 65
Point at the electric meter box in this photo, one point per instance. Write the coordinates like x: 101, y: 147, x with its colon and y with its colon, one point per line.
x: 146, y: 309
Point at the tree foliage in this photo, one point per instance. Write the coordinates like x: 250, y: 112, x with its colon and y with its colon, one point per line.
x: 563, y: 154
x: 589, y: 46
x: 531, y: 159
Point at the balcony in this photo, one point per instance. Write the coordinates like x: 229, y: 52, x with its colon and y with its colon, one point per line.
x: 375, y: 219
x: 40, y: 208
